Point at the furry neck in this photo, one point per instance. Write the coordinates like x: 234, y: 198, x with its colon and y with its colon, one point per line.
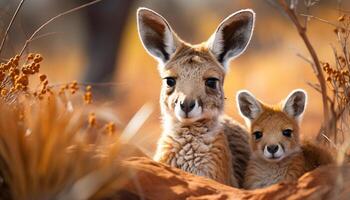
x: 202, y: 127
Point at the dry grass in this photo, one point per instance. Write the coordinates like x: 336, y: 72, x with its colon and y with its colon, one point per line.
x: 53, y: 146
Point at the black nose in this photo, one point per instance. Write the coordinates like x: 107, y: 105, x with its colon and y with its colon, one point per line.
x: 187, y: 105
x: 272, y: 148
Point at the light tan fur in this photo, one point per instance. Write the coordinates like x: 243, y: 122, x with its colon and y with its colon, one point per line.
x: 201, y: 147
x: 206, y: 142
x: 299, y: 157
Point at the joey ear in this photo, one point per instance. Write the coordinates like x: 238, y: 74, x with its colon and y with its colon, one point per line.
x: 295, y: 104
x: 156, y: 34
x: 232, y: 36
x: 248, y: 106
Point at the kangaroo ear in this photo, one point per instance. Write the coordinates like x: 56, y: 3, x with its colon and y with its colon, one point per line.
x: 295, y: 104
x: 156, y: 34
x: 232, y: 36
x: 248, y: 106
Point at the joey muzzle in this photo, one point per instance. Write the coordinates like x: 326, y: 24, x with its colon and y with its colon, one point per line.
x: 273, y: 151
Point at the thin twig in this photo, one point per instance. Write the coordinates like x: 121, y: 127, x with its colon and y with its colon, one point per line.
x: 53, y: 19
x: 305, y: 59
x: 309, y: 61
x: 10, y: 24
x: 329, y: 140
x: 320, y: 19
x: 44, y: 35
x: 318, y: 90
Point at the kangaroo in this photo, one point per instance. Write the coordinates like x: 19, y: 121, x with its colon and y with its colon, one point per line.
x: 197, y: 137
x: 277, y: 152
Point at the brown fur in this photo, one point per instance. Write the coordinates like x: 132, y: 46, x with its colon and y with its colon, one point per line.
x: 179, y: 142
x: 300, y: 157
x: 238, y: 139
x: 198, y: 150
x: 196, y: 137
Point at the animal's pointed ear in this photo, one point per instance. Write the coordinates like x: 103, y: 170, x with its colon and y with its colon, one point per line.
x: 232, y: 36
x: 249, y: 107
x: 156, y: 34
x: 295, y: 104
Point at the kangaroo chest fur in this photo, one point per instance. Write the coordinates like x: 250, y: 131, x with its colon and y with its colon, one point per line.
x: 198, y: 150
x: 261, y: 173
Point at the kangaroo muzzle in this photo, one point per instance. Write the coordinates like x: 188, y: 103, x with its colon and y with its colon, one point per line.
x: 188, y: 109
x: 273, y: 151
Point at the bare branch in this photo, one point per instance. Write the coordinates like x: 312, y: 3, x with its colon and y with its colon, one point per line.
x: 10, y: 24
x: 53, y: 19
x: 302, y: 32
x: 309, y: 61
x: 317, y: 88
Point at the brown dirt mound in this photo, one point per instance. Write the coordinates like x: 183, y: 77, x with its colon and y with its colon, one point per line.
x: 152, y: 180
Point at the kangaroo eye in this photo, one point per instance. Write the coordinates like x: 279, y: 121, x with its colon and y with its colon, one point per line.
x: 211, y: 82
x: 287, y: 132
x: 170, y: 81
x: 258, y: 134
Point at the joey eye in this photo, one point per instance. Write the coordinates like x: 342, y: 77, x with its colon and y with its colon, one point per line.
x: 170, y: 81
x: 211, y: 83
x: 258, y: 135
x: 287, y: 133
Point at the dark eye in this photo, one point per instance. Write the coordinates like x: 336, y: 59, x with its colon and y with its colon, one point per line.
x: 170, y: 81
x: 258, y: 134
x: 287, y: 132
x: 211, y: 82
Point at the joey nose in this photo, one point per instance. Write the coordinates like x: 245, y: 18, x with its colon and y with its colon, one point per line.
x: 272, y: 148
x: 187, y: 105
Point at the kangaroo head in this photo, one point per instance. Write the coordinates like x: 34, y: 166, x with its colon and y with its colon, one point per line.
x: 275, y: 129
x: 193, y: 75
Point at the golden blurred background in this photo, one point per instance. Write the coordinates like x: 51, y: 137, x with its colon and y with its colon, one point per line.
x: 270, y: 67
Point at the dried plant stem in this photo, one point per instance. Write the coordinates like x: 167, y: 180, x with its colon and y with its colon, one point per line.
x: 319, y: 19
x: 319, y: 73
x: 53, y: 19
x: 10, y: 25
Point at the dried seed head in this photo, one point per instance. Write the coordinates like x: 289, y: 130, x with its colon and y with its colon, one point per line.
x: 341, y: 18
x: 18, y: 86
x: 38, y: 58
x: 92, y: 119
x: 45, y: 82
x: 336, y: 31
x: 4, y: 92
x: 23, y: 80
x: 88, y: 97
x: 2, y: 76
x: 30, y: 56
x: 42, y: 77
x: 110, y: 128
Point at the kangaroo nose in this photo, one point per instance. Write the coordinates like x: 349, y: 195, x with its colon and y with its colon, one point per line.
x: 272, y: 148
x: 187, y: 105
